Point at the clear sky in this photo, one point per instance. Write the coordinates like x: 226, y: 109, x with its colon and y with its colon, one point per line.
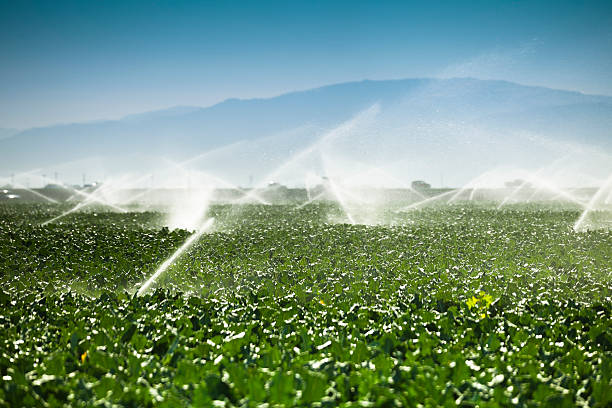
x: 68, y: 61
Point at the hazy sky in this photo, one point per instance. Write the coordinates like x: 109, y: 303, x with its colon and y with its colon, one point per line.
x: 68, y: 61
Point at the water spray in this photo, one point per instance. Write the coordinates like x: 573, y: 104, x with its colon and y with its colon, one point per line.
x: 578, y: 226
x: 168, y: 262
x: 428, y: 200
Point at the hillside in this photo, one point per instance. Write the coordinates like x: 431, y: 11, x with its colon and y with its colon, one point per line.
x: 428, y: 118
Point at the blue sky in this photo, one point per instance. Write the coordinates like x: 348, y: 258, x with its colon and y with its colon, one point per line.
x: 69, y: 61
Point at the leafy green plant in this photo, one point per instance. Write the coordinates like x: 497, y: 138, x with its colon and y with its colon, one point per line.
x: 277, y: 306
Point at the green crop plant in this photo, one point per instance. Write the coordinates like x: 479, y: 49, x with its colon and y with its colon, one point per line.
x: 279, y: 306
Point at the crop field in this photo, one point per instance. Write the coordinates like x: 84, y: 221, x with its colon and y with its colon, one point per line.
x: 448, y: 305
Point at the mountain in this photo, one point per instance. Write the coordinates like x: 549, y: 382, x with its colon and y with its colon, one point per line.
x: 433, y: 124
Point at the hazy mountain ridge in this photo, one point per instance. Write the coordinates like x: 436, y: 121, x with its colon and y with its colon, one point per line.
x: 442, y: 109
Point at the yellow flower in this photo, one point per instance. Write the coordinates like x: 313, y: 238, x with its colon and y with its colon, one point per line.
x: 322, y: 302
x: 83, y: 357
x: 480, y: 303
x: 472, y: 302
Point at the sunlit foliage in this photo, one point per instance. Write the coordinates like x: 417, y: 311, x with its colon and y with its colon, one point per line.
x: 462, y: 305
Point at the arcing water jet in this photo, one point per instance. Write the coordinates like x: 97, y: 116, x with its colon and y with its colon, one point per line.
x: 168, y: 262
x: 605, y: 188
